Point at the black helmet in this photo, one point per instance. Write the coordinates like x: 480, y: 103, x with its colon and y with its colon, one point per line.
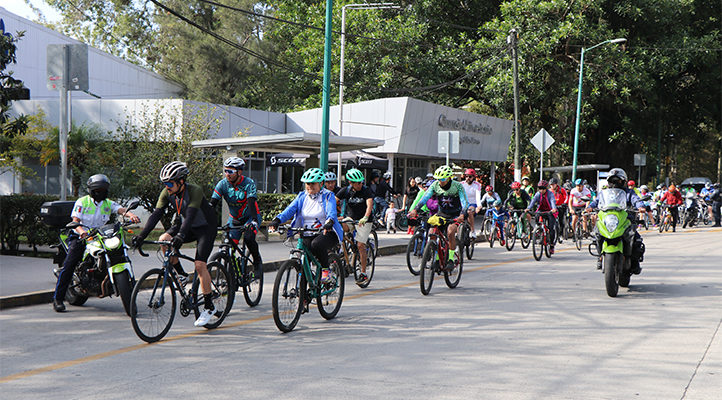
x: 98, y: 185
x: 375, y: 174
x: 553, y: 181
x: 617, y: 178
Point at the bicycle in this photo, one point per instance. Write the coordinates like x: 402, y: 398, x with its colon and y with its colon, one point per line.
x: 581, y: 231
x: 466, y: 241
x: 150, y: 316
x: 352, y: 257
x: 235, y: 258
x: 517, y: 228
x: 495, y: 233
x: 437, y: 249
x: 540, y: 237
x: 644, y: 220
x: 297, y: 285
x: 665, y: 220
x: 415, y: 248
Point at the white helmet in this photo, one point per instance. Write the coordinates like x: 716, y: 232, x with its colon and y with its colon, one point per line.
x: 387, y: 175
x: 234, y: 162
x: 330, y: 176
x: 173, y: 171
x: 644, y: 187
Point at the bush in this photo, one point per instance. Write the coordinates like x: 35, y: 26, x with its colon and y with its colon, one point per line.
x: 20, y: 217
x: 271, y: 204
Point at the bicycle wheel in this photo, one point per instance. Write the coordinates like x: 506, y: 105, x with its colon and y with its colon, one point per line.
x: 375, y: 237
x: 578, y: 236
x: 252, y: 283
x: 330, y: 294
x: 402, y: 222
x: 152, y: 305
x: 426, y: 279
x: 224, y: 259
x: 487, y: 224
x: 470, y: 243
x: 537, y: 243
x: 547, y: 246
x: 510, y: 235
x: 370, y: 265
x: 289, y: 290
x: 414, y: 251
x: 525, y: 235
x: 221, y: 293
x: 453, y: 277
x: 661, y: 225
x: 492, y: 236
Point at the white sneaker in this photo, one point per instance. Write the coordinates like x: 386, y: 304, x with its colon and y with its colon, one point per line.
x: 205, y: 317
x: 473, y: 235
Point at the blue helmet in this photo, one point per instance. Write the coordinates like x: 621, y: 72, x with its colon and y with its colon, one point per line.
x: 578, y: 182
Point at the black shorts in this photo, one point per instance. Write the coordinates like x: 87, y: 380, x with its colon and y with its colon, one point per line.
x: 205, y: 236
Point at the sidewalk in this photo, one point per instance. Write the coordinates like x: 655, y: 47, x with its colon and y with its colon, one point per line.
x: 30, y: 280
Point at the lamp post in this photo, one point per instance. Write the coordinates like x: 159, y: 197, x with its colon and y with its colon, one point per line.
x: 579, y: 101
x: 362, y: 6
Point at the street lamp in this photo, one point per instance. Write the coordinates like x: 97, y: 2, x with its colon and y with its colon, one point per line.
x: 579, y: 102
x: 362, y: 6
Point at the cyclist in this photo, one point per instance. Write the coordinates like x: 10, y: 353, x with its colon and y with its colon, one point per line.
x: 239, y: 192
x: 473, y: 195
x: 359, y: 206
x: 381, y: 188
x: 518, y: 200
x: 452, y: 203
x: 546, y: 202
x: 526, y: 186
x: 646, y: 199
x: 500, y: 214
x: 633, y: 186
x: 315, y: 207
x: 706, y: 200
x: 578, y: 199
x: 330, y: 182
x: 199, y: 224
x: 489, y: 198
x: 616, y: 179
x: 673, y: 198
x: 410, y: 195
x: 91, y: 211
x: 560, y: 196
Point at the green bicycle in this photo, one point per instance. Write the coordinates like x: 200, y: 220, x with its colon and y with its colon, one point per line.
x: 297, y: 285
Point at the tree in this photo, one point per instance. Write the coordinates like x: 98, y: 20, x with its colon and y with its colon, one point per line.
x: 10, y: 89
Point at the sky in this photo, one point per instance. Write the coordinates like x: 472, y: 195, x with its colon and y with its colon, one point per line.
x: 19, y: 7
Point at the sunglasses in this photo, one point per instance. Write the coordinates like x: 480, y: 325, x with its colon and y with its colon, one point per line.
x: 169, y: 184
x: 229, y: 171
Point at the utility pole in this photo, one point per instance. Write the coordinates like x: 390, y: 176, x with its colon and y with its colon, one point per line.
x: 64, y: 124
x: 326, y: 88
x: 512, y: 40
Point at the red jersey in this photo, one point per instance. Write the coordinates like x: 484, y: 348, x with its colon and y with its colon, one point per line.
x: 560, y: 196
x: 672, y: 198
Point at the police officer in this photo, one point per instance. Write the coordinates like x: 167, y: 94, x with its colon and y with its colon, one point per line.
x: 91, y: 211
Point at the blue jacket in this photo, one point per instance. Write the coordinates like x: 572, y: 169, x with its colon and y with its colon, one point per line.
x: 329, y: 204
x: 537, y: 200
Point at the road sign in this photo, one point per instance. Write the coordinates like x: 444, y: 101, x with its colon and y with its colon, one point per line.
x: 448, y: 143
x: 542, y: 140
x: 76, y: 57
x: 640, y: 160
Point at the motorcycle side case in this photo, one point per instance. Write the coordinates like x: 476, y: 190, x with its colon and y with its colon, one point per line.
x: 56, y: 214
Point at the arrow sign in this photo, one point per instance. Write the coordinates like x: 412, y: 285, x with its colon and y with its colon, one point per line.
x: 542, y: 140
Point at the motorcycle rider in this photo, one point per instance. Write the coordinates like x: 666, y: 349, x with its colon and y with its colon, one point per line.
x: 705, y: 199
x: 617, y: 179
x: 240, y: 193
x: 200, y: 223
x: 716, y: 198
x: 91, y: 211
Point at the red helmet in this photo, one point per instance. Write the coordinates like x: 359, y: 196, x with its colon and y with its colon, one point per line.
x: 470, y: 171
x: 542, y: 184
x: 515, y: 185
x: 630, y: 183
x: 489, y: 189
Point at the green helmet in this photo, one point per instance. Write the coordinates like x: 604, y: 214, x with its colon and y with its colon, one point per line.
x: 313, y: 175
x: 443, y: 172
x: 354, y: 175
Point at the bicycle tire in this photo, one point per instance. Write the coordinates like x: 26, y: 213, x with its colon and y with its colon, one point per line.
x: 289, y: 292
x: 414, y: 252
x: 661, y: 225
x: 537, y: 244
x: 402, y: 221
x: 223, y: 296
x: 487, y: 225
x: 224, y: 259
x: 329, y: 304
x: 370, y: 265
x: 453, y: 277
x: 471, y: 243
x: 492, y: 236
x: 578, y: 236
x: 510, y: 235
x: 149, y: 312
x: 427, y: 271
x: 526, y: 236
x: 375, y: 238
x: 252, y: 284
x: 547, y: 249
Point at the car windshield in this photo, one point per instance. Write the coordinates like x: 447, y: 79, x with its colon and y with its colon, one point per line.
x: 612, y: 199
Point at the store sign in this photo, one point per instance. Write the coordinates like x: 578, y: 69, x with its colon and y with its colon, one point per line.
x: 283, y: 161
x: 464, y: 125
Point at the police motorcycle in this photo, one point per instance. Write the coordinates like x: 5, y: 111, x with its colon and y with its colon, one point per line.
x: 691, y: 210
x: 105, y: 268
x: 617, y: 234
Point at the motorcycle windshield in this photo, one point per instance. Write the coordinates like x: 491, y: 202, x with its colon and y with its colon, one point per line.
x: 107, y: 230
x: 612, y: 199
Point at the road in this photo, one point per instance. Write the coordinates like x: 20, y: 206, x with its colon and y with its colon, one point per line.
x: 513, y: 329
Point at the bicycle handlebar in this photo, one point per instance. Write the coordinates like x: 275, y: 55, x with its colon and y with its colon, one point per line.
x: 174, y: 252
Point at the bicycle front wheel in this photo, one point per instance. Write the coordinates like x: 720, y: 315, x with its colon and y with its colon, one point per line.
x: 370, y: 264
x: 330, y: 295
x: 537, y: 243
x: 252, y: 282
x: 453, y: 277
x: 426, y: 279
x: 414, y: 251
x: 525, y: 235
x: 289, y: 292
x: 221, y: 293
x: 492, y: 236
x: 152, y: 306
x: 578, y: 235
x: 510, y: 235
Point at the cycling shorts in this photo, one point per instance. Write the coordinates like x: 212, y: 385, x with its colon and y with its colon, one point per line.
x: 204, y: 235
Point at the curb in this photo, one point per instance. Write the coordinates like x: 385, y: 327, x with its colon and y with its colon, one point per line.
x: 44, y: 297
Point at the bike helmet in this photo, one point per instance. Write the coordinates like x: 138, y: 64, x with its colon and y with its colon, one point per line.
x: 542, y: 184
x: 578, y: 182
x: 374, y: 174
x: 515, y: 185
x: 173, y: 171
x: 672, y: 187
x: 429, y: 175
x: 554, y: 181
x: 659, y: 187
x: 443, y: 172
x: 707, y: 185
x: 330, y: 176
x: 488, y: 189
x: 470, y: 171
x: 354, y: 175
x: 234, y: 162
x: 418, y: 180
x: 644, y: 187
x: 497, y: 203
x: 617, y: 178
x: 387, y: 175
x: 524, y: 178
x: 630, y: 183
x: 313, y: 175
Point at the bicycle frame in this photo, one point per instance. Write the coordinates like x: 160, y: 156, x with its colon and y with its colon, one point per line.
x: 234, y: 250
x: 306, y: 259
x: 169, y: 271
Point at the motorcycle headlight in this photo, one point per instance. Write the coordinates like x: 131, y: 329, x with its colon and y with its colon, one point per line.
x: 112, y: 243
x: 611, y: 222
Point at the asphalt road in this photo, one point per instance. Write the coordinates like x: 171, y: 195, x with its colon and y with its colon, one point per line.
x: 513, y: 329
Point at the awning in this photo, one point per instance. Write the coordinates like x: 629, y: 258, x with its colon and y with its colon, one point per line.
x: 308, y: 143
x: 363, y: 160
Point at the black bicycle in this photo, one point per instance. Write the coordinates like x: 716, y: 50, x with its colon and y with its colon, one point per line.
x: 415, y: 247
x: 236, y: 259
x: 153, y: 302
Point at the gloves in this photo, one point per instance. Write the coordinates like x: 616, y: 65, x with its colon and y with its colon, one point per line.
x: 363, y: 221
x: 137, y: 241
x: 274, y: 224
x: 328, y: 225
x: 253, y: 224
x: 177, y: 241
